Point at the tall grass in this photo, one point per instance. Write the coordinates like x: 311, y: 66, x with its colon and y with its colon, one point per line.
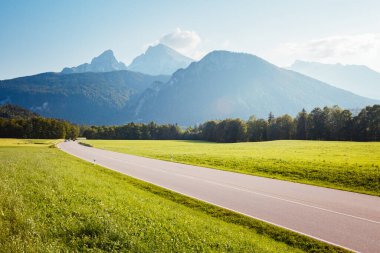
x: 351, y: 166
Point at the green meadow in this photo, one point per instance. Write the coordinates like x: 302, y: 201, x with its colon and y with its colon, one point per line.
x: 53, y: 202
x: 351, y: 166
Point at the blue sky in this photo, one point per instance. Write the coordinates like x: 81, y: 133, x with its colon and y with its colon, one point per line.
x: 39, y: 36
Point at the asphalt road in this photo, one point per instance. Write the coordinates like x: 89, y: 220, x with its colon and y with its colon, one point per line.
x: 346, y: 219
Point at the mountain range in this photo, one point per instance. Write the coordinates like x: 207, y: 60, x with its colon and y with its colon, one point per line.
x: 358, y: 79
x: 225, y: 84
x: 86, y: 98
x: 222, y: 84
x: 157, y: 60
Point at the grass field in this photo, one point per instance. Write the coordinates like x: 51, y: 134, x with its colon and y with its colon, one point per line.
x: 53, y: 202
x: 351, y: 166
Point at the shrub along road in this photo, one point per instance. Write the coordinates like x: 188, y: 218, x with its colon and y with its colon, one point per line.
x: 347, y: 219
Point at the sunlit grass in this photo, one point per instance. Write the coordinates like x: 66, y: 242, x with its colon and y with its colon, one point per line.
x: 352, y: 166
x: 53, y: 202
x: 27, y: 142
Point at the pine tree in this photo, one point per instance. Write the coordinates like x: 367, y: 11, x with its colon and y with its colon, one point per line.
x: 270, y: 118
x: 301, y: 129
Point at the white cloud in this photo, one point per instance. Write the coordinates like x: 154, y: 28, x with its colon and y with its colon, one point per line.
x: 190, y: 43
x: 348, y: 49
x: 183, y: 41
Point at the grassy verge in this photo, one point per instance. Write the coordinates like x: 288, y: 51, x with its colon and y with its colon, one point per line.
x: 27, y: 142
x: 350, y: 166
x: 50, y: 201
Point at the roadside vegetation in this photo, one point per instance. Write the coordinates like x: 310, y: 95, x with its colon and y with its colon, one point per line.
x: 53, y: 202
x: 351, y: 166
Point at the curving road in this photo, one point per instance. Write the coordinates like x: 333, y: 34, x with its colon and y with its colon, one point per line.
x: 346, y: 219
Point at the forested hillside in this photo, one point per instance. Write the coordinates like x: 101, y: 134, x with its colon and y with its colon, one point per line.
x: 91, y: 98
x: 9, y: 111
x: 17, y: 122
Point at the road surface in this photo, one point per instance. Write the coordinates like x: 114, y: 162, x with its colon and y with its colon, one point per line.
x: 346, y: 219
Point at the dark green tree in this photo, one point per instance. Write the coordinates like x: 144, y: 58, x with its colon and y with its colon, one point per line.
x: 257, y: 129
x: 301, y: 128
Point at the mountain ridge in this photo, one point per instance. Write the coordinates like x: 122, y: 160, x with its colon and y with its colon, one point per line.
x: 225, y: 84
x: 86, y: 98
x: 156, y: 60
x: 105, y: 62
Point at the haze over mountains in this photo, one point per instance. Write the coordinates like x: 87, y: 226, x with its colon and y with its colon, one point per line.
x: 222, y: 84
x: 358, y: 79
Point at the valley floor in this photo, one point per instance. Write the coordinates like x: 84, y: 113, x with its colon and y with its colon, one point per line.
x: 51, y: 201
x: 350, y: 166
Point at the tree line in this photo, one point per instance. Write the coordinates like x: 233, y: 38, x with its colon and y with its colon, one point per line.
x: 328, y: 123
x: 37, y: 128
x: 134, y: 131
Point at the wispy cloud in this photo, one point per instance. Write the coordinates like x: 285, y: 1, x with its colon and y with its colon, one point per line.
x: 190, y: 43
x: 349, y: 49
x: 184, y: 41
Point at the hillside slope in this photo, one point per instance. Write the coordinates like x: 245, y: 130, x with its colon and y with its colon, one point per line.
x: 225, y: 84
x: 9, y: 111
x: 89, y: 98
